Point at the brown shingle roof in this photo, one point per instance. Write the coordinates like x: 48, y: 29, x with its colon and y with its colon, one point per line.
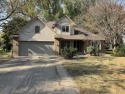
x: 50, y: 24
x: 71, y: 37
x: 82, y: 35
x: 90, y: 36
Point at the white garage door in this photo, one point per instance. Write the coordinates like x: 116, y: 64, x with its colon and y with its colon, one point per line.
x: 36, y: 48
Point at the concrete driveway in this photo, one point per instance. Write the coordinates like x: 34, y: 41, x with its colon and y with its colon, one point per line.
x: 26, y: 76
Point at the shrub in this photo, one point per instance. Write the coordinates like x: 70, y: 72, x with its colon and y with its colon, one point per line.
x: 92, y: 50
x: 119, y: 51
x: 68, y: 53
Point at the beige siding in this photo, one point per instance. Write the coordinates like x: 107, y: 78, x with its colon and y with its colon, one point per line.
x: 72, y: 30
x: 28, y: 32
x: 66, y: 22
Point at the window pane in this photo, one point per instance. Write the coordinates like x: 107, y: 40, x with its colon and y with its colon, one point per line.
x: 63, y: 28
x: 37, y: 29
x: 65, y: 44
x: 67, y: 28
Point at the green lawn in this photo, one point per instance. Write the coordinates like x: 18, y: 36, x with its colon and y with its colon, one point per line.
x: 98, y: 75
x: 4, y: 55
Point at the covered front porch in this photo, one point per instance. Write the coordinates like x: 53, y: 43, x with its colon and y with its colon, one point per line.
x: 78, y: 44
x: 78, y: 41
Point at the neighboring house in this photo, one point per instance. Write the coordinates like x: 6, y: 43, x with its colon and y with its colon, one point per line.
x: 39, y: 38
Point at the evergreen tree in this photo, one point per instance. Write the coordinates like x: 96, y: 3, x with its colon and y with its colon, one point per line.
x: 10, y: 28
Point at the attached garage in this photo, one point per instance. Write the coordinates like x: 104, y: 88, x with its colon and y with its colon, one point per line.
x: 30, y: 48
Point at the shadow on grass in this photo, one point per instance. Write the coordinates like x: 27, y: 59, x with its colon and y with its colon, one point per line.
x: 98, y: 58
x: 94, y: 91
x: 78, y: 58
x: 80, y: 69
x: 121, y: 71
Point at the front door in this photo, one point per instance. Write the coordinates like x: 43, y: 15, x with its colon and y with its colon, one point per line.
x: 78, y: 45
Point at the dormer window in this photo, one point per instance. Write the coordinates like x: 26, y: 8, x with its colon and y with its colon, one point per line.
x: 65, y: 28
x: 37, y: 29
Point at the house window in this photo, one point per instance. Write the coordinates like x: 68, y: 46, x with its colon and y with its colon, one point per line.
x: 65, y: 28
x: 65, y: 44
x: 37, y: 29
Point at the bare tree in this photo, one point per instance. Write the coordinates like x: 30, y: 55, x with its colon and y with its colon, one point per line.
x: 106, y: 17
x: 9, y: 7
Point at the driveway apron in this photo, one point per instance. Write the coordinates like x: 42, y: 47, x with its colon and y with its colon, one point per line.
x: 26, y: 76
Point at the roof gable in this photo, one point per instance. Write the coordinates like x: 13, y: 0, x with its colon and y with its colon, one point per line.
x: 65, y: 19
x: 27, y: 33
x: 32, y: 21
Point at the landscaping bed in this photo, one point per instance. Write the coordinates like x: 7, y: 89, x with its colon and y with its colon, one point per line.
x: 98, y: 75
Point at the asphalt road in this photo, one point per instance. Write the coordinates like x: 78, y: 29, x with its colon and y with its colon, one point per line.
x: 24, y: 76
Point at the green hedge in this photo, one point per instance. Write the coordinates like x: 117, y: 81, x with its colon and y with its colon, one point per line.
x: 119, y: 51
x: 92, y: 50
x: 68, y: 52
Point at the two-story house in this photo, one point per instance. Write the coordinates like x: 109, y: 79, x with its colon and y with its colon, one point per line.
x: 39, y: 38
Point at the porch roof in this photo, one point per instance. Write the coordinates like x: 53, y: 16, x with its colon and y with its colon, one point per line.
x: 89, y: 35
x: 71, y: 37
x: 82, y: 35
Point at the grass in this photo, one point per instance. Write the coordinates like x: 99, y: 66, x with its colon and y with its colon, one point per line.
x: 4, y: 55
x: 98, y: 75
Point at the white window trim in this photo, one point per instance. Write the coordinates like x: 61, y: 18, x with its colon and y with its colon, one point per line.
x: 65, y: 25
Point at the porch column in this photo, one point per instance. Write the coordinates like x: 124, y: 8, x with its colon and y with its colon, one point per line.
x: 86, y: 44
x: 102, y: 46
x: 57, y: 46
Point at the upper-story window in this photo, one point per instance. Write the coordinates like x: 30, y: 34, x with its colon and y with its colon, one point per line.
x: 65, y: 28
x: 37, y: 29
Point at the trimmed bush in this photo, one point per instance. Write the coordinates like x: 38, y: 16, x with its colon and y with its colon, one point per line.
x: 92, y: 50
x: 68, y: 53
x: 119, y: 51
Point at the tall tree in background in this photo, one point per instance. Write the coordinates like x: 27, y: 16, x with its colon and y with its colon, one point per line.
x: 49, y: 9
x: 46, y: 9
x: 74, y: 8
x: 106, y: 17
x: 29, y: 9
x: 17, y: 8
x: 10, y: 28
x: 9, y: 7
